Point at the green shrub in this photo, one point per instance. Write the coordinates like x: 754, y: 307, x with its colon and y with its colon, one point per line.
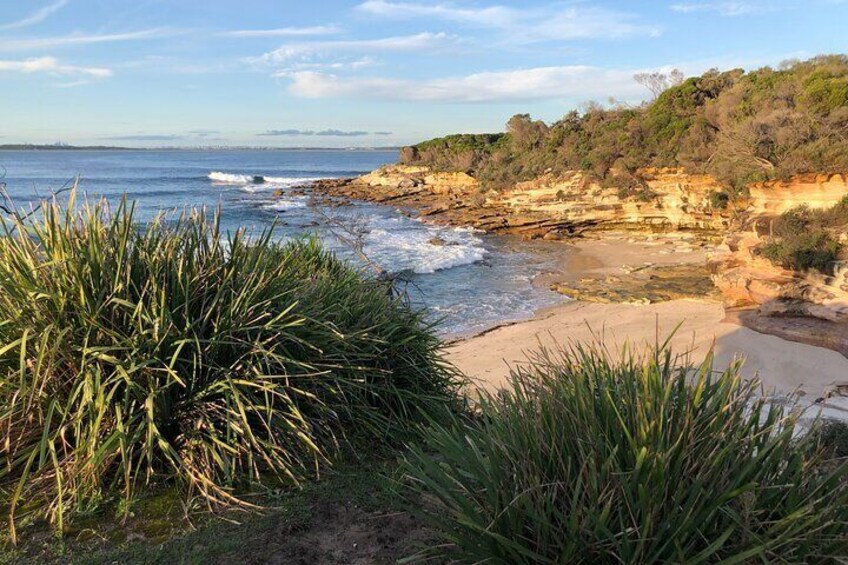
x: 719, y: 200
x: 837, y: 217
x: 641, y: 460
x: 176, y: 354
x: 804, y: 252
x: 639, y: 193
x: 825, y: 91
x: 802, y: 239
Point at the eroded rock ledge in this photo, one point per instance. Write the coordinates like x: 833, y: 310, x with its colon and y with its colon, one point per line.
x: 547, y: 207
x: 808, y: 307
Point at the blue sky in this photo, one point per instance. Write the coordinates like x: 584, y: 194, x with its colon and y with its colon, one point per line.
x: 363, y: 72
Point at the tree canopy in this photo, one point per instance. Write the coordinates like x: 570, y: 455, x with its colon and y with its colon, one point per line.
x: 738, y: 126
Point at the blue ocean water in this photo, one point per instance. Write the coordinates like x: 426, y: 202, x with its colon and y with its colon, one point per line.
x: 468, y: 280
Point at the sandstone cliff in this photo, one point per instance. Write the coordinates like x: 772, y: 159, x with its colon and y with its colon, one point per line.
x: 816, y: 191
x: 748, y: 280
x: 669, y: 200
x: 549, y: 206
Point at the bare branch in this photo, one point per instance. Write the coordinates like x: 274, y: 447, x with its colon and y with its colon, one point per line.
x: 352, y: 234
x: 10, y: 208
x: 349, y: 234
x: 658, y: 82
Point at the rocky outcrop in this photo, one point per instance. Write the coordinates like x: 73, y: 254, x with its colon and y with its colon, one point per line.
x: 668, y: 200
x: 645, y: 285
x: 746, y: 280
x: 550, y: 206
x: 808, y: 307
x: 812, y: 308
x: 773, y: 198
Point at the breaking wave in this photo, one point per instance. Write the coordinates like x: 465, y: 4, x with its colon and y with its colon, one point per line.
x: 283, y: 204
x: 247, y: 181
x: 420, y: 248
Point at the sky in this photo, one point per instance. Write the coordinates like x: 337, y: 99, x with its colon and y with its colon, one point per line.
x: 333, y: 73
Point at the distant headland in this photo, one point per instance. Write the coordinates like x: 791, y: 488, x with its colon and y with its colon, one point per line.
x: 65, y: 147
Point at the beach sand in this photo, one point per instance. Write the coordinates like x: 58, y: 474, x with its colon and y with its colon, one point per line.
x: 698, y: 325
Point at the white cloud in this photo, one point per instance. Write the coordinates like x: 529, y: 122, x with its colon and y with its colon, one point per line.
x: 337, y: 65
x: 491, y: 16
x: 563, y: 82
x: 81, y: 39
x: 283, y: 32
x: 418, y: 42
x: 723, y: 8
x: 73, y: 83
x: 52, y: 66
x: 526, y: 25
x: 37, y: 17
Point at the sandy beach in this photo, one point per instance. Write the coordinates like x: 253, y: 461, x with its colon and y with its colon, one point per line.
x: 697, y: 324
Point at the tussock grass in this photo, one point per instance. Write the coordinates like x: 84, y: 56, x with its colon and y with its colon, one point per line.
x: 172, y: 353
x: 644, y: 459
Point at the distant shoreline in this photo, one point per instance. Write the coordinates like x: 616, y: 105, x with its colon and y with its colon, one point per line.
x: 28, y: 147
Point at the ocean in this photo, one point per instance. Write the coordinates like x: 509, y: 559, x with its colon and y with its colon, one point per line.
x: 468, y: 281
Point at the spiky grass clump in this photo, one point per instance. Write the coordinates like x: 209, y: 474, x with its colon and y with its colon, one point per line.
x: 132, y: 355
x: 593, y: 460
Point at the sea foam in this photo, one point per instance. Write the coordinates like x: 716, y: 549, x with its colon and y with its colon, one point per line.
x: 283, y: 204
x: 425, y: 250
x: 227, y: 178
x: 247, y: 180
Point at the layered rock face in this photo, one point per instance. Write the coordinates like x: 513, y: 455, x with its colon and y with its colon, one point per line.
x: 746, y: 279
x: 549, y: 206
x: 671, y: 200
x: 773, y: 198
x: 406, y: 177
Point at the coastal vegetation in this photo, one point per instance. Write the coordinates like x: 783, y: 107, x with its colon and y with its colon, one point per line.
x: 151, y: 371
x: 738, y: 126
x: 174, y: 356
x: 590, y: 458
x: 803, y: 239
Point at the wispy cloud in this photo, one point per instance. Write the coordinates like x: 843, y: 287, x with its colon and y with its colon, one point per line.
x: 336, y: 65
x: 72, y: 83
x: 143, y: 137
x: 417, y: 42
x: 284, y: 32
x: 527, y: 25
x: 575, y: 82
x: 83, y: 39
x: 489, y: 16
x: 323, y: 133
x: 37, y: 16
x: 51, y: 65
x: 723, y: 8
